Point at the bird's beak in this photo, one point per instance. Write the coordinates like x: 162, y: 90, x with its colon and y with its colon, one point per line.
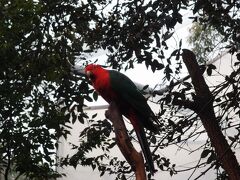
x: 88, y: 74
x: 78, y: 70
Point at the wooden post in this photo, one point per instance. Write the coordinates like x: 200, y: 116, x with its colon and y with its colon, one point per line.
x: 134, y: 158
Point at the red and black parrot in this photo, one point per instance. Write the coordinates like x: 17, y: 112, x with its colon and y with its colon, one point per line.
x: 114, y: 86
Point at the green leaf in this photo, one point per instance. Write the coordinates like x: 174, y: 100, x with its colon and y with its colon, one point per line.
x: 88, y: 98
x: 153, y: 140
x: 145, y: 87
x: 74, y: 117
x: 209, y: 71
x: 167, y: 35
x: 93, y: 166
x: 211, y: 158
x: 94, y: 115
x: 95, y: 95
x: 205, y: 153
x: 103, y: 171
x: 211, y: 66
x: 111, y: 145
x: 81, y: 119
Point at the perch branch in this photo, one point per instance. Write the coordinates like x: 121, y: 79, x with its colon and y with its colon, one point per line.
x: 134, y: 158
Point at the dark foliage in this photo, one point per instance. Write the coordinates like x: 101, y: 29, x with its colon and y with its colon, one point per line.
x: 39, y: 96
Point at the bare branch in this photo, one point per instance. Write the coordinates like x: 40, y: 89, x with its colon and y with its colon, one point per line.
x: 134, y: 158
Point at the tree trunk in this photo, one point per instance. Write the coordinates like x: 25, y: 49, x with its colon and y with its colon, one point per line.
x: 134, y: 158
x: 204, y: 108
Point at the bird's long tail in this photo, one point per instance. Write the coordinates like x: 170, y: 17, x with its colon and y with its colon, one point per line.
x: 145, y: 148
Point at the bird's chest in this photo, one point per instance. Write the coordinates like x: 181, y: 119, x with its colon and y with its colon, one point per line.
x: 103, y: 87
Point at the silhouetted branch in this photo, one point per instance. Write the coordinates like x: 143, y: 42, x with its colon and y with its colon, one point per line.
x: 204, y: 109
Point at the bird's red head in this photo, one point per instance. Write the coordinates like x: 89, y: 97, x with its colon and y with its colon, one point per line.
x: 92, y: 67
x: 91, y: 70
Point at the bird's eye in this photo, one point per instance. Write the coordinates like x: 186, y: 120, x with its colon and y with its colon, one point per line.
x: 90, y: 75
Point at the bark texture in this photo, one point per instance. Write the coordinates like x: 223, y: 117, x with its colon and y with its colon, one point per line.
x: 203, y: 106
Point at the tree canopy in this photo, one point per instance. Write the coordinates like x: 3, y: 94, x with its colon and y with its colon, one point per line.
x: 39, y: 96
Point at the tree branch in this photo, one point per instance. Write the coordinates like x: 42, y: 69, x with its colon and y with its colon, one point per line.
x: 134, y: 158
x: 204, y: 103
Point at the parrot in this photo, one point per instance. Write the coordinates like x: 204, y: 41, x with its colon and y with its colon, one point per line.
x: 116, y: 87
